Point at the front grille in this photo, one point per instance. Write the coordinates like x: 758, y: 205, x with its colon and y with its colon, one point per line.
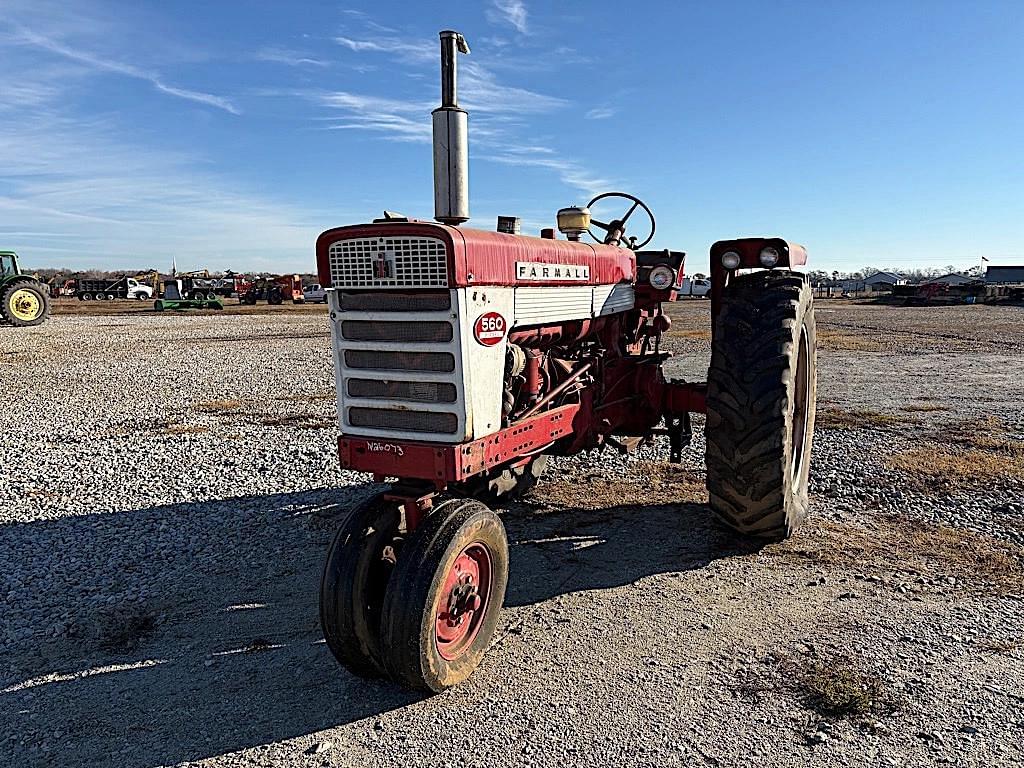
x: 415, y: 391
x: 389, y: 262
x: 395, y: 301
x: 400, y: 361
x: 404, y: 421
x: 407, y: 332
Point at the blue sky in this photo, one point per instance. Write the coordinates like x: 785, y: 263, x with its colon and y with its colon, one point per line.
x: 229, y: 134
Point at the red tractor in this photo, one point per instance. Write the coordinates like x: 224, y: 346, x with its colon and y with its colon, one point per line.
x: 274, y: 289
x: 465, y: 358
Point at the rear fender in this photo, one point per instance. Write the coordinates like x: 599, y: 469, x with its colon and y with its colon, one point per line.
x: 791, y: 255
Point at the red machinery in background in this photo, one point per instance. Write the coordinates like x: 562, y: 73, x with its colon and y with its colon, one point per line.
x: 274, y: 289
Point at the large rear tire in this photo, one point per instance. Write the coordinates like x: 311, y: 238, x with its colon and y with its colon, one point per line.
x: 760, y: 404
x: 356, y: 574
x: 24, y: 303
x: 445, y: 595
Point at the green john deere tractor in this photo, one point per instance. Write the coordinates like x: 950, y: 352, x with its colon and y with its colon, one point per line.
x: 23, y: 299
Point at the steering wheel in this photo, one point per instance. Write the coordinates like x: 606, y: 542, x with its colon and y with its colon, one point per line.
x: 615, y: 230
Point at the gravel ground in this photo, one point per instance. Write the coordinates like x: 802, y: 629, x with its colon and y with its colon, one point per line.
x: 170, y: 486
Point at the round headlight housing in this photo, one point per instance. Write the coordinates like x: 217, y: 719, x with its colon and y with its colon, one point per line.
x: 662, y: 277
x: 769, y: 256
x: 731, y: 259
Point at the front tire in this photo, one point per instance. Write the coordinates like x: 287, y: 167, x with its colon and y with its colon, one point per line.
x: 444, y: 598
x: 24, y: 304
x: 356, y: 573
x: 760, y: 404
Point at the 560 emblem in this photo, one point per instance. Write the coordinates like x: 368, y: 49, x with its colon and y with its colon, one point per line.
x: 489, y: 329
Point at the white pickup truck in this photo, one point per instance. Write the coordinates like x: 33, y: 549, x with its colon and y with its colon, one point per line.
x: 314, y: 293
x: 695, y: 286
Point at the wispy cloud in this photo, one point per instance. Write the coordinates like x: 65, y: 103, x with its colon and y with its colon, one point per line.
x: 290, y: 58
x: 570, y: 172
x: 498, y: 109
x: 510, y: 11
x: 416, y: 50
x: 399, y: 120
x: 481, y: 91
x: 600, y: 113
x: 28, y: 37
x: 103, y: 197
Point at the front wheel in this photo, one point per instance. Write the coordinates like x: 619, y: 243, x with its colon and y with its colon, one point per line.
x: 24, y: 303
x: 761, y: 402
x: 444, y: 597
x: 356, y: 573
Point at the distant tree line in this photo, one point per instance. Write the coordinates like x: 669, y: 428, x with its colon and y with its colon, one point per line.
x: 916, y: 275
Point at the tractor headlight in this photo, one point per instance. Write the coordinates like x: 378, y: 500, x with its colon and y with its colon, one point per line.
x: 662, y: 277
x: 769, y: 256
x: 731, y: 259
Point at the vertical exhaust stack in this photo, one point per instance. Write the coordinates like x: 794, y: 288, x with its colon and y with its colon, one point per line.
x: 451, y: 139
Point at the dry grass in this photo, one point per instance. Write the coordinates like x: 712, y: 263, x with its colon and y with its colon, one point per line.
x: 837, y: 688
x: 185, y: 429
x: 937, y: 468
x: 691, y: 333
x: 904, y: 545
x: 964, y: 454
x: 848, y: 342
x: 218, y: 406
x: 307, y: 398
x: 985, y: 434
x: 835, y: 418
x: 299, y: 421
x: 647, y: 484
x: 925, y: 408
x: 1001, y: 646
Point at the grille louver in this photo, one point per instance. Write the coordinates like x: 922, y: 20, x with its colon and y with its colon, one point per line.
x: 388, y: 262
x: 407, y: 421
x: 407, y: 332
x: 400, y: 361
x: 416, y: 391
x: 395, y: 301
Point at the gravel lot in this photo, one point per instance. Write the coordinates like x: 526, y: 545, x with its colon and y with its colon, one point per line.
x: 170, y: 486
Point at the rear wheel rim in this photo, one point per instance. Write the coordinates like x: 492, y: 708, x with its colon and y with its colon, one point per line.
x: 801, y: 411
x: 25, y: 305
x: 464, y: 601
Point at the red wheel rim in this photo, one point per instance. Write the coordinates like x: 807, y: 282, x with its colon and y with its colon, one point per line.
x: 463, y: 602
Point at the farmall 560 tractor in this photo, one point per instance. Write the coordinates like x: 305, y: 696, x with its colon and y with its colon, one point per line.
x: 465, y: 358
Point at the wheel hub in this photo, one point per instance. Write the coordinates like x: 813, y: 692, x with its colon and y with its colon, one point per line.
x: 463, y: 601
x: 25, y: 304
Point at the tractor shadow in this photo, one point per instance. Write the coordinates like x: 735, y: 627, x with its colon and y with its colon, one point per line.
x: 182, y: 632
x: 227, y: 654
x: 555, y: 551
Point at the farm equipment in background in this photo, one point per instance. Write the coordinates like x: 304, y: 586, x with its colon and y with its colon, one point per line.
x: 975, y: 292
x: 24, y: 300
x: 108, y: 289
x: 274, y: 289
x: 179, y: 294
x: 465, y: 358
x: 200, y: 284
